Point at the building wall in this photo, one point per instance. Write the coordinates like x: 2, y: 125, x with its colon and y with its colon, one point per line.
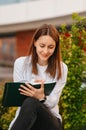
x: 36, y: 10
x: 23, y: 40
x: 14, y: 47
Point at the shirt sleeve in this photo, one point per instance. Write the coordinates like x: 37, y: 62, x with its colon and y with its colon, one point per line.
x: 17, y: 76
x: 18, y: 69
x: 53, y: 99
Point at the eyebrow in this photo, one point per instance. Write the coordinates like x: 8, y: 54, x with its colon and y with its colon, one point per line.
x: 45, y: 44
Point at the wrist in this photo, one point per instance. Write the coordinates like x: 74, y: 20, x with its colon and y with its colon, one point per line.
x: 43, y: 99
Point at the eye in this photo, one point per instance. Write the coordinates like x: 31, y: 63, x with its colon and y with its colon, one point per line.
x: 51, y: 47
x: 42, y: 45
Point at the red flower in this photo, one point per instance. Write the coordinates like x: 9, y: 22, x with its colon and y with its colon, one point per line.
x: 67, y: 34
x: 84, y: 48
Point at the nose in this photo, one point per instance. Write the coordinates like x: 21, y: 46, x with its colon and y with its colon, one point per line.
x: 45, y: 50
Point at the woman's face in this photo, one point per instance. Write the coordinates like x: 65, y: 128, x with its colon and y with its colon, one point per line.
x: 45, y: 47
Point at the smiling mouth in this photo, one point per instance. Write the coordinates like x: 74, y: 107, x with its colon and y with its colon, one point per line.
x: 45, y: 56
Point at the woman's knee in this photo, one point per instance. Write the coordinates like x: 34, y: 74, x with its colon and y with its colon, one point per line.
x: 30, y: 102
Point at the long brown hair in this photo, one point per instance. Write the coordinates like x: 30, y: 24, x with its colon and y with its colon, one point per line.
x: 54, y: 61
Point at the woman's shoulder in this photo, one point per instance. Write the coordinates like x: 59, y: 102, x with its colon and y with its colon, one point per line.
x: 64, y: 66
x: 22, y: 60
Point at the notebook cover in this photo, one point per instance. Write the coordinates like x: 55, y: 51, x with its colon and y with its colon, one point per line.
x: 12, y: 96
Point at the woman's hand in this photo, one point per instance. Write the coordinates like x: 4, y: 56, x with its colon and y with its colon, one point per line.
x: 29, y: 90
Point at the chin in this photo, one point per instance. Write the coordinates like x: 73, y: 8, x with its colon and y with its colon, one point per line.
x: 44, y: 59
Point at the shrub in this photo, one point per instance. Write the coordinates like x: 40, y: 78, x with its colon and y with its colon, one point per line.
x: 6, y: 115
x: 73, y: 98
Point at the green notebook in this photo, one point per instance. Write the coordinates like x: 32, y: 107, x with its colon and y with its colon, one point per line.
x: 12, y: 96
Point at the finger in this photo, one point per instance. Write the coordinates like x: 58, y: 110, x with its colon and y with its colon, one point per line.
x: 42, y: 84
x: 24, y: 92
x: 25, y: 89
x: 30, y: 87
x: 38, y: 80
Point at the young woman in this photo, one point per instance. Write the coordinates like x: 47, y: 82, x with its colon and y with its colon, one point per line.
x: 43, y: 64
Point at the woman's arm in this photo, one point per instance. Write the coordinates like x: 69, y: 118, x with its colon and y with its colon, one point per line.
x: 18, y: 69
x: 53, y: 99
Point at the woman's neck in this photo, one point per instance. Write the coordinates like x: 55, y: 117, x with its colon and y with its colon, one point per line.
x: 42, y: 63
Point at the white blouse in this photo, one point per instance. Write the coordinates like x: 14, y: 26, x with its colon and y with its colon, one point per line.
x: 22, y: 72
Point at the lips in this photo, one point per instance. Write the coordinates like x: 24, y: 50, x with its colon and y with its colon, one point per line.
x: 45, y: 56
